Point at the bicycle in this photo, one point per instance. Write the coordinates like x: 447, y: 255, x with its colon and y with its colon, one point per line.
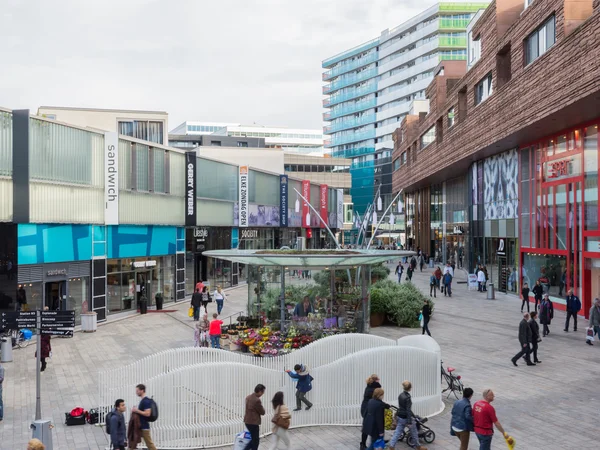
x: 453, y: 382
x: 20, y: 338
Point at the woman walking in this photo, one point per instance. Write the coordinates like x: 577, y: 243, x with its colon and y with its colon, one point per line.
x: 409, y: 272
x: 438, y: 276
x: 426, y: 311
x: 546, y: 314
x: 46, y: 350
x: 281, y: 421
x: 525, y: 297
x: 372, y: 384
x: 594, y: 319
x: 374, y: 421
x: 206, y: 298
x: 219, y: 296
x: 433, y: 285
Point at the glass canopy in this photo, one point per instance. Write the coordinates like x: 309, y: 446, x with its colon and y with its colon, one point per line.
x: 308, y: 258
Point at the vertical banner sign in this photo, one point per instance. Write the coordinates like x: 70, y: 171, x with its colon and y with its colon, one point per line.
x: 243, y: 196
x: 190, y: 189
x: 283, y: 200
x: 340, y: 208
x: 111, y: 178
x: 323, y: 204
x: 305, y: 207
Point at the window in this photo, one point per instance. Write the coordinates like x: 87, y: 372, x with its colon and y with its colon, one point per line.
x: 483, y: 89
x: 396, y: 164
x: 403, y: 158
x: 528, y: 3
x: 242, y: 144
x: 474, y: 49
x: 538, y: 42
x: 215, y: 143
x: 142, y: 129
x: 451, y: 120
x: 428, y: 137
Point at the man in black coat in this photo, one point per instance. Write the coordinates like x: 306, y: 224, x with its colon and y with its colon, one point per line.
x: 535, y: 336
x: 573, y: 307
x: 525, y: 336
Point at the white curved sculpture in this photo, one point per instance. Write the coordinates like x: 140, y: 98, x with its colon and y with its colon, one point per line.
x: 203, y: 405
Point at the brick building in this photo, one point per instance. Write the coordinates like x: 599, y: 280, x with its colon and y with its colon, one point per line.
x: 503, y: 168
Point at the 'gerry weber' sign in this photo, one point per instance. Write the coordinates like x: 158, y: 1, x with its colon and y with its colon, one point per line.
x: 243, y: 196
x: 190, y: 189
x: 111, y: 178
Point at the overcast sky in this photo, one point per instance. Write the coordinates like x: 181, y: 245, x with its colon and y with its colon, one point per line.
x: 248, y: 61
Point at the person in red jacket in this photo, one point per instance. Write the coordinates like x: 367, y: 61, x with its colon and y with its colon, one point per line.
x: 484, y: 420
x: 215, y: 331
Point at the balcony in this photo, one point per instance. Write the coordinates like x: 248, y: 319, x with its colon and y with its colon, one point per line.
x: 410, y: 88
x: 453, y: 24
x: 462, y: 7
x: 351, y: 108
x: 352, y: 65
x: 326, y: 117
x: 352, y: 152
x: 354, y: 78
x: 350, y: 123
x: 362, y: 164
x: 453, y: 42
x: 453, y: 57
x: 352, y: 94
x: 348, y: 53
x: 342, y: 139
x: 409, y: 39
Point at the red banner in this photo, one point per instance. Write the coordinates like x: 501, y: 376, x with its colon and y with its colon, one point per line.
x: 323, y: 203
x: 305, y: 207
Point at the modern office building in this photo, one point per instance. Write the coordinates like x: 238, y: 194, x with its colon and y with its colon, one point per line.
x: 503, y: 168
x: 371, y: 86
x: 145, y: 125
x: 94, y: 221
x: 288, y: 139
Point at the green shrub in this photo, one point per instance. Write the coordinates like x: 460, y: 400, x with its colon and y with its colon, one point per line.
x: 401, y: 303
x: 380, y: 272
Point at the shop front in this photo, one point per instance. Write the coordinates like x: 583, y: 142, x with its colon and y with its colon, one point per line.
x: 559, y: 215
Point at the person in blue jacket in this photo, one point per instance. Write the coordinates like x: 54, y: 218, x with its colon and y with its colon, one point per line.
x: 462, y: 419
x: 303, y: 386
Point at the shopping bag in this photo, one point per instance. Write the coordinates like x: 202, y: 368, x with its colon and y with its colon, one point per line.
x: 510, y: 442
x: 379, y: 443
x: 191, y: 312
x: 241, y: 440
x: 589, y: 335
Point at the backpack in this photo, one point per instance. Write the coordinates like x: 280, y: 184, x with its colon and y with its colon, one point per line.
x: 153, y: 411
x: 107, y: 421
x: 432, y: 280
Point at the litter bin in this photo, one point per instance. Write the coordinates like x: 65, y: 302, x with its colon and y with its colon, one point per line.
x: 159, y: 301
x: 89, y: 322
x: 42, y: 430
x: 431, y: 263
x: 6, y: 349
x: 143, y: 305
x: 491, y: 293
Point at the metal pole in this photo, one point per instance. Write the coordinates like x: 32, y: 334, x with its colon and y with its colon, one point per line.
x: 365, y: 300
x: 38, y: 366
x: 383, y: 217
x: 282, y: 306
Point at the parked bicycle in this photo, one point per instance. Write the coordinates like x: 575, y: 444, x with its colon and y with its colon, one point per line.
x: 20, y: 338
x: 453, y: 382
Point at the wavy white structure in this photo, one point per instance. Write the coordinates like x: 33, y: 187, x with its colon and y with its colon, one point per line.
x: 201, y: 392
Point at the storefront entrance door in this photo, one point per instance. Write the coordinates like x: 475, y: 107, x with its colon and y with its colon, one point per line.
x: 55, y: 295
x: 143, y: 285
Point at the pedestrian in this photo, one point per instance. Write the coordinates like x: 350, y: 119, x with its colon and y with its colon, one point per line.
x: 594, y: 320
x: 409, y: 272
x: 303, y: 385
x: 35, y: 444
x: 546, y: 314
x: 426, y: 312
x: 21, y: 299
x: 484, y: 419
x: 438, y: 276
x: 525, y: 297
x: 421, y: 261
x: 281, y: 421
x: 480, y: 279
x: 413, y: 263
x: 461, y: 424
x: 563, y: 283
x: 538, y: 292
x: 372, y: 384
x: 432, y: 284
x: 485, y: 273
x: 535, y: 336
x: 46, y: 350
x: 512, y: 281
x: 573, y: 307
x: 116, y: 425
x: 215, y: 331
x: 195, y: 303
x: 447, y: 284
x: 304, y: 308
x: 525, y: 341
x: 405, y: 417
x: 204, y: 331
x: 206, y: 298
x: 252, y: 420
x: 1, y: 401
x: 199, y: 286
x: 220, y: 297
x: 374, y: 420
x: 144, y: 411
x: 399, y: 271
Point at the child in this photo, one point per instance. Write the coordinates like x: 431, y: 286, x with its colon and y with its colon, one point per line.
x: 303, y: 386
x: 215, y: 331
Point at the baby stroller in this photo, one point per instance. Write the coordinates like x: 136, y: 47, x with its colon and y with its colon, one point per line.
x: 425, y: 433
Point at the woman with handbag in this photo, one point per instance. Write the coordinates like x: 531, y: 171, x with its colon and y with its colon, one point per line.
x: 594, y: 324
x: 281, y: 421
x: 374, y: 421
x: 206, y: 298
x: 219, y: 296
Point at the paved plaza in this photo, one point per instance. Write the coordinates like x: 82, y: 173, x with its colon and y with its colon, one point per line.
x: 554, y: 405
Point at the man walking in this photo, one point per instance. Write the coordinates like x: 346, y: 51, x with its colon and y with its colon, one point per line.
x: 399, y: 271
x: 535, y: 336
x: 484, y: 419
x: 144, y: 410
x: 525, y: 340
x: 480, y: 279
x: 116, y: 424
x: 1, y: 401
x: 405, y: 418
x: 447, y: 280
x: 573, y: 307
x: 254, y: 409
x: 462, y: 419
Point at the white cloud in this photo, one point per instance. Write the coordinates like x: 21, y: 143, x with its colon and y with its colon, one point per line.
x: 228, y: 60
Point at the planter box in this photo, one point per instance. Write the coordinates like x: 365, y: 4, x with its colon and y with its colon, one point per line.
x: 377, y: 319
x: 89, y: 322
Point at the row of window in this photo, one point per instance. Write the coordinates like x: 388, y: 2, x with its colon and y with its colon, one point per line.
x: 204, y: 128
x: 146, y: 130
x: 316, y: 168
x: 279, y: 135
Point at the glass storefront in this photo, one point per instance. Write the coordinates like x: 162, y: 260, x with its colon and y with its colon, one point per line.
x: 130, y: 279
